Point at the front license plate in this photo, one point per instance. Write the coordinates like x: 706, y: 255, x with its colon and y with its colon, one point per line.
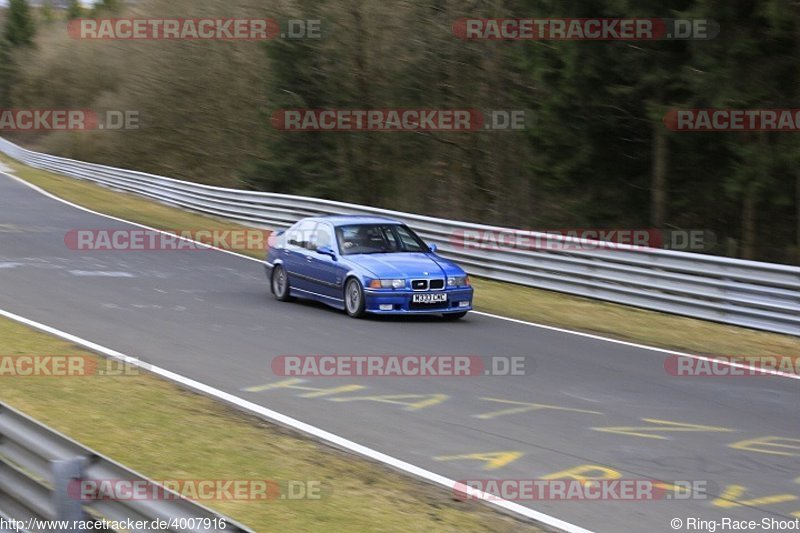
x: 429, y: 298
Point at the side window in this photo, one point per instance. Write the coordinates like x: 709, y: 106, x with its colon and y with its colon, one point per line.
x: 388, y: 235
x: 410, y: 244
x: 299, y: 236
x: 324, y: 237
x: 346, y: 236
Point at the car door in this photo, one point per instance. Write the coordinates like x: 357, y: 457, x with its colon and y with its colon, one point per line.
x: 327, y: 272
x: 296, y: 254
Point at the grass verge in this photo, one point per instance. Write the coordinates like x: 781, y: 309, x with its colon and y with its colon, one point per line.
x: 545, y: 307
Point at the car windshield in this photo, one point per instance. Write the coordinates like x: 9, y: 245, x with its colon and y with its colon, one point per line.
x: 378, y: 239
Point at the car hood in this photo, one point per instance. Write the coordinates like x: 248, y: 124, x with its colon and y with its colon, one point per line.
x: 400, y: 265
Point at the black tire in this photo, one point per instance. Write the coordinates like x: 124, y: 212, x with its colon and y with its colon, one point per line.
x: 354, y: 301
x: 454, y: 316
x: 279, y: 283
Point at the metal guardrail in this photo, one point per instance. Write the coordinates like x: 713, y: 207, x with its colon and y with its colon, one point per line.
x: 744, y: 293
x: 38, y: 471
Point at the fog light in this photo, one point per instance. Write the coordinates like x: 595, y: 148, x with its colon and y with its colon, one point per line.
x: 463, y: 304
x: 386, y: 307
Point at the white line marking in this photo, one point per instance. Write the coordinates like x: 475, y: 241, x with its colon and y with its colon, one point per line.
x: 110, y: 217
x: 644, y: 347
x: 490, y: 315
x: 301, y: 426
x: 100, y: 274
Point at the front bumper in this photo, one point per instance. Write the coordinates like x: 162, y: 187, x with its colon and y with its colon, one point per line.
x: 378, y: 302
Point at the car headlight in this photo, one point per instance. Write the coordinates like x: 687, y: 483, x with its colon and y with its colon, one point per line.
x: 458, y: 281
x: 387, y: 284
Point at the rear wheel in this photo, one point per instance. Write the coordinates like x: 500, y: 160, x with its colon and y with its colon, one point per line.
x: 454, y: 316
x: 280, y: 284
x: 354, y: 301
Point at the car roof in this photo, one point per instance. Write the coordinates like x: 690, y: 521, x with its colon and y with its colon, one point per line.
x: 346, y: 220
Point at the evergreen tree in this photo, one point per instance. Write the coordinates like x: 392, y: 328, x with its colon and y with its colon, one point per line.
x: 47, y: 12
x: 19, y: 29
x: 298, y: 162
x: 7, y: 73
x: 751, y: 65
x: 74, y: 10
x: 105, y: 7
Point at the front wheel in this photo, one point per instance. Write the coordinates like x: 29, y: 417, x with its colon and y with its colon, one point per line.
x: 280, y: 284
x: 454, y: 316
x: 354, y: 301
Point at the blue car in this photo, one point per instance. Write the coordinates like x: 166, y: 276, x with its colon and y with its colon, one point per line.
x: 365, y: 264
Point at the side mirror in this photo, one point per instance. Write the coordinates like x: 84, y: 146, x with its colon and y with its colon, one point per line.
x: 432, y: 247
x: 327, y: 250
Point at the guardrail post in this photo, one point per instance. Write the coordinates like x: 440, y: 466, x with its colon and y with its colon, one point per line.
x: 66, y: 477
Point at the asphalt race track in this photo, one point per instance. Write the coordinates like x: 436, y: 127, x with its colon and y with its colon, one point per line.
x: 209, y: 316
